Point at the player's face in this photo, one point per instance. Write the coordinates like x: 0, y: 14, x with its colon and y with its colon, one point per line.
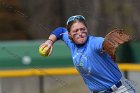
x: 78, y: 33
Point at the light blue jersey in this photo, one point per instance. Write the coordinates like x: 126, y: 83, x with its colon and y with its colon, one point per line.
x: 98, y: 70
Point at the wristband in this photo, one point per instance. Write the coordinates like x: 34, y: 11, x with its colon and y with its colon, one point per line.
x: 51, y: 40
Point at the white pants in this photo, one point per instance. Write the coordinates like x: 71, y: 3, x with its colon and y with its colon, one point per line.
x: 126, y: 87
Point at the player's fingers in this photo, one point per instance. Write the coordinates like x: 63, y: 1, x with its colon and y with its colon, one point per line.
x: 43, y: 46
x: 46, y: 49
x: 46, y: 46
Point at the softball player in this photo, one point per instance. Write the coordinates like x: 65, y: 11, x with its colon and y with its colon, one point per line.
x: 100, y: 73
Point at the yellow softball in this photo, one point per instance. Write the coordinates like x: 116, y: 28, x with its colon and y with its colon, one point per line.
x: 42, y: 52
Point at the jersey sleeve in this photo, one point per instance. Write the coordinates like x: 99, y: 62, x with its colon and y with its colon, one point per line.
x: 96, y: 43
x: 58, y: 32
x: 62, y: 33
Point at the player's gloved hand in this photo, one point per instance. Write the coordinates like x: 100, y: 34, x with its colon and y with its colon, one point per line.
x: 45, y: 49
x: 113, y: 40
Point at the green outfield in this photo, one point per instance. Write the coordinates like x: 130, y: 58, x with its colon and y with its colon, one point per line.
x: 24, y: 54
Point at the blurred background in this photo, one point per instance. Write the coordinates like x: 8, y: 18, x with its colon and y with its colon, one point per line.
x: 25, y: 24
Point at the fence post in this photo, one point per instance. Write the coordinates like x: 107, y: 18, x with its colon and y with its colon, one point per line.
x: 0, y: 85
x: 41, y: 84
x: 126, y: 74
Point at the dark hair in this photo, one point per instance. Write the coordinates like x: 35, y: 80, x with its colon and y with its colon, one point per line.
x: 68, y: 26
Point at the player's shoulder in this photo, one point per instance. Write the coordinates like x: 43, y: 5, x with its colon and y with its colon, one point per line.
x: 95, y: 39
x: 95, y: 42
